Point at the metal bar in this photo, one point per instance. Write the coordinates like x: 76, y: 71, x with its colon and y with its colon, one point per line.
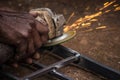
x: 88, y: 63
x: 50, y: 68
x: 101, y: 69
x: 6, y: 74
x: 71, y: 56
x: 9, y: 76
x: 58, y: 75
x: 38, y: 66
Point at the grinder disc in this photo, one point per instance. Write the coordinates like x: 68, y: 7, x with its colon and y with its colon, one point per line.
x: 65, y: 37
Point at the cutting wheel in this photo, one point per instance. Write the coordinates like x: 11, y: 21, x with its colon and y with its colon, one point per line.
x: 65, y: 37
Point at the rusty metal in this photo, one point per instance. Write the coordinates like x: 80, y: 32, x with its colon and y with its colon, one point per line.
x: 87, y: 63
x: 50, y: 68
x: 69, y: 56
x: 53, y: 72
x: 43, y: 70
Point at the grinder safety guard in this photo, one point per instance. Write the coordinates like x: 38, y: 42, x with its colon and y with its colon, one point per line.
x: 56, y: 23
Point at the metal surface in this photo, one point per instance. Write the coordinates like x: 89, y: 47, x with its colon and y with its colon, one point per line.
x: 37, y: 66
x: 58, y: 40
x: 54, y: 73
x: 41, y: 70
x: 87, y: 63
x: 69, y: 56
x: 51, y: 67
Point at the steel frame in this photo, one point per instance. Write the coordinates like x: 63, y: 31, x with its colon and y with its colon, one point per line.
x: 69, y: 56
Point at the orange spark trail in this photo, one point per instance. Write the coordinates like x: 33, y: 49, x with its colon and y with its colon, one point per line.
x: 81, y: 22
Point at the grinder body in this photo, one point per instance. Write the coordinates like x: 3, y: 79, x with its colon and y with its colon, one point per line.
x: 54, y: 21
x: 56, y: 24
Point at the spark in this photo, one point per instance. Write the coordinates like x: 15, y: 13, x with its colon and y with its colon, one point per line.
x: 116, y: 5
x: 117, y: 8
x: 70, y: 17
x: 88, y: 19
x: 86, y: 24
x: 93, y: 20
x: 81, y: 21
x: 107, y: 4
x: 107, y: 11
x: 101, y: 27
x: 87, y: 8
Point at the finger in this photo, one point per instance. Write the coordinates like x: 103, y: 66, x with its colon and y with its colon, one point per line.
x: 29, y: 60
x: 36, y: 38
x: 15, y: 65
x: 42, y: 29
x: 21, y: 50
x: 34, y: 13
x: 44, y: 38
x: 31, y: 48
x: 36, y: 56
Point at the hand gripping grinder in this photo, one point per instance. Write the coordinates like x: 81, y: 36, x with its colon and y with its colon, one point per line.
x: 56, y: 24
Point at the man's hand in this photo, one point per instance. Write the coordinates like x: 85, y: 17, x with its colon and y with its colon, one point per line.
x: 22, y: 31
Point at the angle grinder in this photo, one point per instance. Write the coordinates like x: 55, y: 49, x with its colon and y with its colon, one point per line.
x: 56, y: 34
x: 56, y: 24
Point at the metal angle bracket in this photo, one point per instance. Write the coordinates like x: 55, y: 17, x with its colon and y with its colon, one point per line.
x: 87, y: 63
x: 69, y: 56
x: 42, y: 69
